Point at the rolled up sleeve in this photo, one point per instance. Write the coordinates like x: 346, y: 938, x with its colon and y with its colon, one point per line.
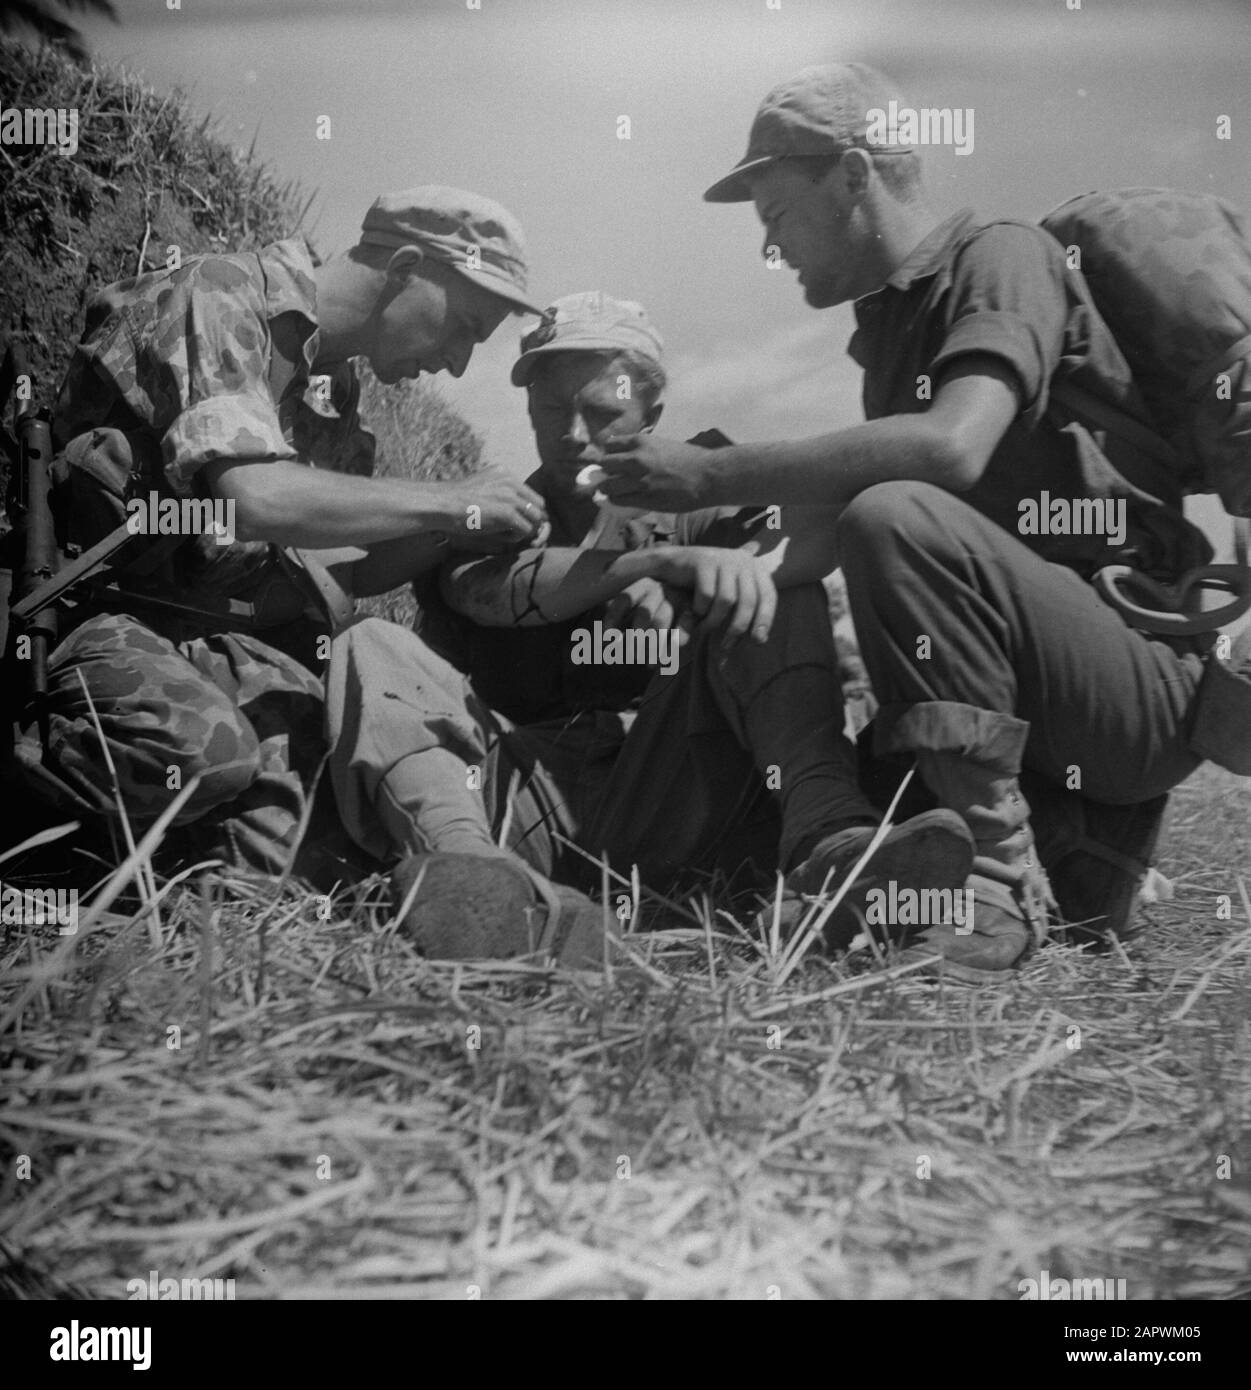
x: 1008, y: 300
x: 239, y: 426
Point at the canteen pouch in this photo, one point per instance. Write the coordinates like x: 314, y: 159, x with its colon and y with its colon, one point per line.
x: 1220, y: 717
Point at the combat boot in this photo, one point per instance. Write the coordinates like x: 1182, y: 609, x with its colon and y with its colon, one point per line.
x: 933, y: 850
x: 1096, y: 856
x: 480, y: 907
x: 971, y: 760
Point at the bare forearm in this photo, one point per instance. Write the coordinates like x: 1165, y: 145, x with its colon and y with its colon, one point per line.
x: 288, y: 503
x: 536, y: 587
x: 830, y: 469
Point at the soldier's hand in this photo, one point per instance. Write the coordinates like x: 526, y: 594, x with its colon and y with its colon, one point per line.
x: 649, y: 603
x: 730, y: 589
x: 492, y: 512
x: 660, y: 475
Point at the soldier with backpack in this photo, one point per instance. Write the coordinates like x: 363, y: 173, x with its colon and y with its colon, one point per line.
x: 1028, y: 701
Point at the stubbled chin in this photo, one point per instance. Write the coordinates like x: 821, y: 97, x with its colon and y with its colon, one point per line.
x: 817, y: 298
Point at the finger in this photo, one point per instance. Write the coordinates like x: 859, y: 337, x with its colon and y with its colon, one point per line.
x: 621, y: 444
x: 663, y: 616
x: 724, y: 600
x: 525, y: 523
x: 622, y: 492
x: 766, y: 611
x: 613, y: 614
x: 531, y: 498
x: 744, y: 610
x: 703, y: 592
x: 619, y: 467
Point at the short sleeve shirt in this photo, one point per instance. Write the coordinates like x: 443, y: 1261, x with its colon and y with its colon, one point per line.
x: 1004, y: 290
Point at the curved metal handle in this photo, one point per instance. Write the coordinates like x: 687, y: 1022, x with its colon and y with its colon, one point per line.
x: 1170, y: 609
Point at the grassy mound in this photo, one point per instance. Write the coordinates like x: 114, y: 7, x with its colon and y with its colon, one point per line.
x: 146, y: 177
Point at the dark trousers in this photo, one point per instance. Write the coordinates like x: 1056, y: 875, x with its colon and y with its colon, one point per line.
x: 952, y: 609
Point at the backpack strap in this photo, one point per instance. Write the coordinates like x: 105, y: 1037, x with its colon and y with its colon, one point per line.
x: 1157, y: 474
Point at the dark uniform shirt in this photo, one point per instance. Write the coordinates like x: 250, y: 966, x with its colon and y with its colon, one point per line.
x: 1004, y: 289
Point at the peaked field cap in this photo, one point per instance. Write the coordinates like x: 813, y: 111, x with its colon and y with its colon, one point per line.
x: 820, y: 110
x: 472, y: 234
x: 588, y: 322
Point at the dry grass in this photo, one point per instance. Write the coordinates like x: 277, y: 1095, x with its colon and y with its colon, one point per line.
x: 682, y: 1125
x: 325, y: 1127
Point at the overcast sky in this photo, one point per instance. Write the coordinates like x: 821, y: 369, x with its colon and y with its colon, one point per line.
x: 520, y: 99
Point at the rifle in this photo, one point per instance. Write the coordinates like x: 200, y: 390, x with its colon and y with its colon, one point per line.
x: 48, y: 581
x: 30, y: 506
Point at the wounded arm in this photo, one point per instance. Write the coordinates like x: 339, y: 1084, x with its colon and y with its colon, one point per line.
x: 533, y: 587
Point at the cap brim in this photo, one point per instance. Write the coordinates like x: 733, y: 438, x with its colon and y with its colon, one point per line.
x: 505, y: 289
x: 735, y: 188
x: 524, y: 365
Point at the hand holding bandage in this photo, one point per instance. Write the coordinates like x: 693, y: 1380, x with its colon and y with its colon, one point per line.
x: 587, y: 484
x: 659, y: 475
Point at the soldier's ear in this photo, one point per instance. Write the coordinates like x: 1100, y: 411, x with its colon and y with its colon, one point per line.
x: 852, y: 173
x: 404, y: 262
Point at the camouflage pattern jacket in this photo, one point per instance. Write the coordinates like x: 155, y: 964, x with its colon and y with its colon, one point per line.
x: 179, y: 368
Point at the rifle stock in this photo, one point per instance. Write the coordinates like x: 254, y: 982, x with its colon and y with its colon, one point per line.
x: 32, y: 508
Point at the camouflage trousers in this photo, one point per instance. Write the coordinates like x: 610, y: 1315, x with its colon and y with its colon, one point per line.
x: 242, y: 716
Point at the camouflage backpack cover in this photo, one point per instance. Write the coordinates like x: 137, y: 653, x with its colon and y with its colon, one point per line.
x: 1170, y: 275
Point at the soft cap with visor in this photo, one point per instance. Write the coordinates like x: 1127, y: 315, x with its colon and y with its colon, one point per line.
x: 819, y: 111
x: 473, y: 235
x: 588, y: 322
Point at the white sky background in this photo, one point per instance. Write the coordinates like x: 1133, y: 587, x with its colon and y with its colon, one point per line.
x: 520, y: 99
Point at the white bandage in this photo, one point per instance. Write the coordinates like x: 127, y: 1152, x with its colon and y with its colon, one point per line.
x: 589, y: 480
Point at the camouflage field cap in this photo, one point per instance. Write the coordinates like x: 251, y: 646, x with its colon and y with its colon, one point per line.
x: 472, y: 234
x: 588, y: 322
x: 820, y: 110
